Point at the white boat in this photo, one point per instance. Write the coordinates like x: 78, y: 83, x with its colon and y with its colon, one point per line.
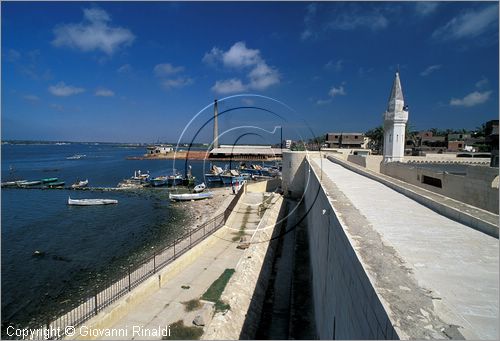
x: 80, y: 184
x: 91, y: 202
x: 199, y: 188
x: 190, y: 196
x: 11, y: 183
x: 76, y: 157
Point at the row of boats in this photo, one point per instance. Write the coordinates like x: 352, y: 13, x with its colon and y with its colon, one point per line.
x: 227, y: 177
x: 141, y: 179
x: 45, y: 183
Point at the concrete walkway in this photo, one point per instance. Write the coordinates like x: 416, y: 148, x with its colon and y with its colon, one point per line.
x: 457, y: 263
x: 164, y: 306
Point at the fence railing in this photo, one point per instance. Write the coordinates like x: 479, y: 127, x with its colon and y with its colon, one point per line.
x: 91, y: 306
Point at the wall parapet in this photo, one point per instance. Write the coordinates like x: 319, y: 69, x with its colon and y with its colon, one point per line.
x: 471, y: 216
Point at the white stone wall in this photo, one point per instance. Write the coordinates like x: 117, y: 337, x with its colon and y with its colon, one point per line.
x: 476, y: 188
x: 293, y: 172
x: 346, y: 305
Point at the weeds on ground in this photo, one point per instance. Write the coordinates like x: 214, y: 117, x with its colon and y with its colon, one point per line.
x: 192, y: 305
x: 215, y: 290
x: 178, y: 331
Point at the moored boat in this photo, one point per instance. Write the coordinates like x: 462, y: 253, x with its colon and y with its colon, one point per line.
x: 199, y: 188
x: 91, y: 202
x: 10, y: 183
x: 29, y: 183
x: 47, y: 180
x: 214, y: 175
x: 190, y: 196
x: 59, y: 184
x: 80, y: 184
x: 159, y: 181
x: 76, y: 157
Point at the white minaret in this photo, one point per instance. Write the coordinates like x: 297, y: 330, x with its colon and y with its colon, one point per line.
x: 395, y: 119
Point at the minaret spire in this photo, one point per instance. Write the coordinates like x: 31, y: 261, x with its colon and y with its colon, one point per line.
x: 396, y: 99
x: 395, y: 119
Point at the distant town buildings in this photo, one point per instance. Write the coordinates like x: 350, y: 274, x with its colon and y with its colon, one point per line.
x: 287, y: 144
x: 345, y: 140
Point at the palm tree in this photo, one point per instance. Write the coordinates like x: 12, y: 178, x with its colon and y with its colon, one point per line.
x: 376, y: 135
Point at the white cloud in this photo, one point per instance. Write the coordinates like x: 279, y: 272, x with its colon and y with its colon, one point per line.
x: 12, y: 55
x: 336, y: 66
x: 482, y: 82
x: 469, y: 24
x: 104, y: 92
x: 472, y: 99
x: 337, y: 91
x: 240, y: 56
x: 323, y: 101
x: 126, y: 68
x: 228, y: 86
x: 93, y: 33
x: 350, y: 21
x: 430, y: 69
x: 260, y: 74
x: 179, y: 82
x: 319, y: 20
x: 213, y: 56
x: 63, y: 90
x: 57, y: 107
x: 309, y: 19
x: 263, y: 76
x: 424, y: 8
x: 167, y: 69
x: 31, y: 98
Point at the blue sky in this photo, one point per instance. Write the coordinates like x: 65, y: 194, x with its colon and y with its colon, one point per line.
x: 138, y: 72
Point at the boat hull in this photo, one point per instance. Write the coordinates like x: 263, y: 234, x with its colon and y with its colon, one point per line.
x: 190, y: 196
x: 91, y: 202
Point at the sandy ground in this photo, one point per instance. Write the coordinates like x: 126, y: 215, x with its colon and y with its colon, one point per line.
x: 200, y: 211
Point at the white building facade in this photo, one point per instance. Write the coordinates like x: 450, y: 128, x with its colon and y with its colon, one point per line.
x: 395, y: 119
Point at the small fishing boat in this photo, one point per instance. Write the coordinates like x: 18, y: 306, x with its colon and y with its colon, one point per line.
x: 59, y: 184
x: 159, y: 181
x: 199, y: 188
x: 80, y: 184
x: 131, y: 184
x: 214, y: 175
x: 29, y: 183
x: 47, y: 180
x: 76, y: 157
x: 91, y: 202
x: 190, y: 196
x: 230, y: 177
x: 138, y: 175
x: 10, y: 183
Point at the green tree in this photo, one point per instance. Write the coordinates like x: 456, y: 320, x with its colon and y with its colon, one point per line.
x: 376, y: 136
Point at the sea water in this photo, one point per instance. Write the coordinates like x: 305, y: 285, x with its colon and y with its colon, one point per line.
x: 80, y: 246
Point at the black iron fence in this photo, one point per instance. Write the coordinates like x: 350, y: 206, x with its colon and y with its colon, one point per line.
x: 91, y: 306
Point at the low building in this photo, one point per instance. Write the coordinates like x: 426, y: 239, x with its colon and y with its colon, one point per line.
x: 287, y: 144
x: 456, y: 146
x: 427, y: 138
x: 245, y: 152
x: 158, y: 149
x: 458, y: 137
x: 345, y: 140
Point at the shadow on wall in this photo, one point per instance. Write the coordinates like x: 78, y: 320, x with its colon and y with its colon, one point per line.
x: 253, y: 315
